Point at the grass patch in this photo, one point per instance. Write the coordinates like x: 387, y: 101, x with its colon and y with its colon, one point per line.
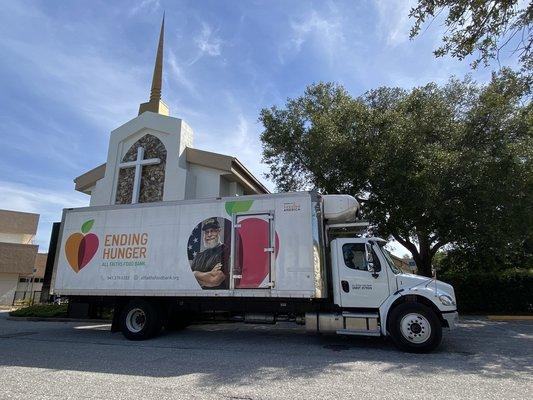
x: 41, y: 311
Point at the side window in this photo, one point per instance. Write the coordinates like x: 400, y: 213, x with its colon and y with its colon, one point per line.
x: 354, y: 256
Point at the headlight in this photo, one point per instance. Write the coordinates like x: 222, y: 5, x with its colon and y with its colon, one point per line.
x: 446, y: 300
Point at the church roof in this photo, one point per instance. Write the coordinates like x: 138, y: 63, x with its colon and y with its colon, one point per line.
x: 234, y: 170
x: 237, y: 171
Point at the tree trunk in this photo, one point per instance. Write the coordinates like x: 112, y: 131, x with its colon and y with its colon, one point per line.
x: 425, y: 256
x: 424, y: 267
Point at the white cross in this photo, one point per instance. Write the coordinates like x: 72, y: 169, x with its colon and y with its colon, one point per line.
x: 138, y: 164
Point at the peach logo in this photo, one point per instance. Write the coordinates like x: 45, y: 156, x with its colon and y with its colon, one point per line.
x: 81, y: 247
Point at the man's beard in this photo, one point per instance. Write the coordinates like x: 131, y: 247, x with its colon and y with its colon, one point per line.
x: 212, y: 243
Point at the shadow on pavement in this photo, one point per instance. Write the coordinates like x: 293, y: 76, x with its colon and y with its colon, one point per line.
x: 238, y: 354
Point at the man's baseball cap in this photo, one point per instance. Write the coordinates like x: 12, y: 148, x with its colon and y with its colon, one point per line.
x: 210, y: 223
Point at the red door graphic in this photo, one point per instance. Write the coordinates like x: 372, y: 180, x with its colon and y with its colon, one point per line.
x: 254, y: 252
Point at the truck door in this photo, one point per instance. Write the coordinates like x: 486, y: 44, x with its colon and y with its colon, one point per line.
x: 253, y: 254
x: 353, y: 284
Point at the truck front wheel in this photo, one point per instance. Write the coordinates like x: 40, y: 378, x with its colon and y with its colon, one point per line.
x: 415, y: 328
x: 140, y: 320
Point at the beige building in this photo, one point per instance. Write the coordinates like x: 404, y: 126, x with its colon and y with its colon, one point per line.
x: 17, y: 251
x: 29, y: 286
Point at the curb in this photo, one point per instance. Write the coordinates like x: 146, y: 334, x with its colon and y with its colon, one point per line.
x: 40, y: 319
x: 510, y: 317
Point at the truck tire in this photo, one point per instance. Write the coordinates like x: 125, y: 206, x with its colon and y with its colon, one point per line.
x: 140, y: 320
x: 414, y: 328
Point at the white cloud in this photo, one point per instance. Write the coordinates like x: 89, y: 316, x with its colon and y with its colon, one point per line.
x: 326, y: 33
x: 236, y: 134
x: 394, y: 23
x: 241, y: 139
x: 178, y: 74
x: 49, y: 203
x: 22, y: 139
x: 34, y: 199
x: 207, y: 42
x: 145, y: 5
x: 324, y: 29
x: 90, y: 84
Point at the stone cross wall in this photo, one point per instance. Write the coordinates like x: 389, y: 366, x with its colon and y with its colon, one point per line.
x: 152, y: 176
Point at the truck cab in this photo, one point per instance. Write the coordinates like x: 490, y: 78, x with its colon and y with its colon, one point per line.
x: 376, y: 298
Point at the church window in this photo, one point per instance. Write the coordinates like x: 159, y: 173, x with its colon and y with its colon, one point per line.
x: 142, y: 172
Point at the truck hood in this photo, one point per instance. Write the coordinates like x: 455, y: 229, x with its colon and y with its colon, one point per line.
x: 408, y: 281
x: 414, y: 283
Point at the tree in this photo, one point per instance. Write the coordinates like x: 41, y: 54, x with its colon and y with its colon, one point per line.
x: 481, y: 27
x: 433, y: 166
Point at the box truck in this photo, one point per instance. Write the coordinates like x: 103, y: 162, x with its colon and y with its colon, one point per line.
x: 300, y: 257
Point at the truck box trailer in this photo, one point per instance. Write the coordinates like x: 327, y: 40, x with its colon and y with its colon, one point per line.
x: 262, y: 258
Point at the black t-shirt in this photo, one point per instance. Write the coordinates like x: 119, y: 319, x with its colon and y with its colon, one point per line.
x: 206, y: 260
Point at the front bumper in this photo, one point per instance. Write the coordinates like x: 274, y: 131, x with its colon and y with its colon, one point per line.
x: 451, y: 318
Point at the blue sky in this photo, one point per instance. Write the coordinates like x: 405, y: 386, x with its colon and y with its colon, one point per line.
x: 73, y: 71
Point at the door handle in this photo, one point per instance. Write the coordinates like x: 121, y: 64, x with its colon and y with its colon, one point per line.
x: 345, y: 286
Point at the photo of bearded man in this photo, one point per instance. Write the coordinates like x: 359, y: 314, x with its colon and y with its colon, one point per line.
x: 210, y: 264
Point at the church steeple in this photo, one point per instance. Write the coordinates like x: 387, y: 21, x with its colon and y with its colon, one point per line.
x: 155, y: 104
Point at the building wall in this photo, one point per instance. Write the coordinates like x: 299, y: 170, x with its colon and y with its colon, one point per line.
x: 31, y: 283
x: 18, y: 222
x: 228, y: 188
x: 17, y: 258
x: 40, y: 264
x: 207, y: 181
x: 235, y: 189
x: 22, y: 238
x: 29, y: 286
x: 8, y: 286
x: 17, y: 251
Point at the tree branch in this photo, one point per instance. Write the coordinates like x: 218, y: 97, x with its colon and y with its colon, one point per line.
x: 408, y: 245
x: 436, y: 246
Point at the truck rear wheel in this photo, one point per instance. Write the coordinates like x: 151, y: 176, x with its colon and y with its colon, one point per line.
x: 415, y: 328
x: 140, y: 320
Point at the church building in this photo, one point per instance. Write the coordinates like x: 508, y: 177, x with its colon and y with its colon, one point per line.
x: 151, y: 158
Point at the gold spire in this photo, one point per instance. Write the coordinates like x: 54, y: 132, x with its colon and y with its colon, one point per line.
x: 155, y: 104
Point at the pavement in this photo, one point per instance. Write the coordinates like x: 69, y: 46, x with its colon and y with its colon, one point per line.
x: 482, y: 359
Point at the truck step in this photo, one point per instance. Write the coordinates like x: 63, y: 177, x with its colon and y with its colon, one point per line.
x: 349, y: 314
x: 358, y: 333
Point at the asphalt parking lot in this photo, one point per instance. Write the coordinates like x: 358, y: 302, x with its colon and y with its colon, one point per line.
x: 64, y: 360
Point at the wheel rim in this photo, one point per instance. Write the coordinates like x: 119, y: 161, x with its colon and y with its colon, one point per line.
x: 415, y: 328
x: 135, y: 320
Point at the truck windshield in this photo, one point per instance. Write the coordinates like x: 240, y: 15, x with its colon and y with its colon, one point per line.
x: 387, y: 256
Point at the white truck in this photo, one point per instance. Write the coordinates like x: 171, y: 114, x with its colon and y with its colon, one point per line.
x: 299, y: 257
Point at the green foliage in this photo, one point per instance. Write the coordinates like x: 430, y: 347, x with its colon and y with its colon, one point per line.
x: 435, y: 165
x: 492, y: 292
x: 483, y: 259
x: 482, y: 28
x: 42, y: 311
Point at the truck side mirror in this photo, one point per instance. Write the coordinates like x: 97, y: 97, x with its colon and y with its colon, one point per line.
x: 370, y: 266
x: 370, y: 260
x: 369, y: 256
